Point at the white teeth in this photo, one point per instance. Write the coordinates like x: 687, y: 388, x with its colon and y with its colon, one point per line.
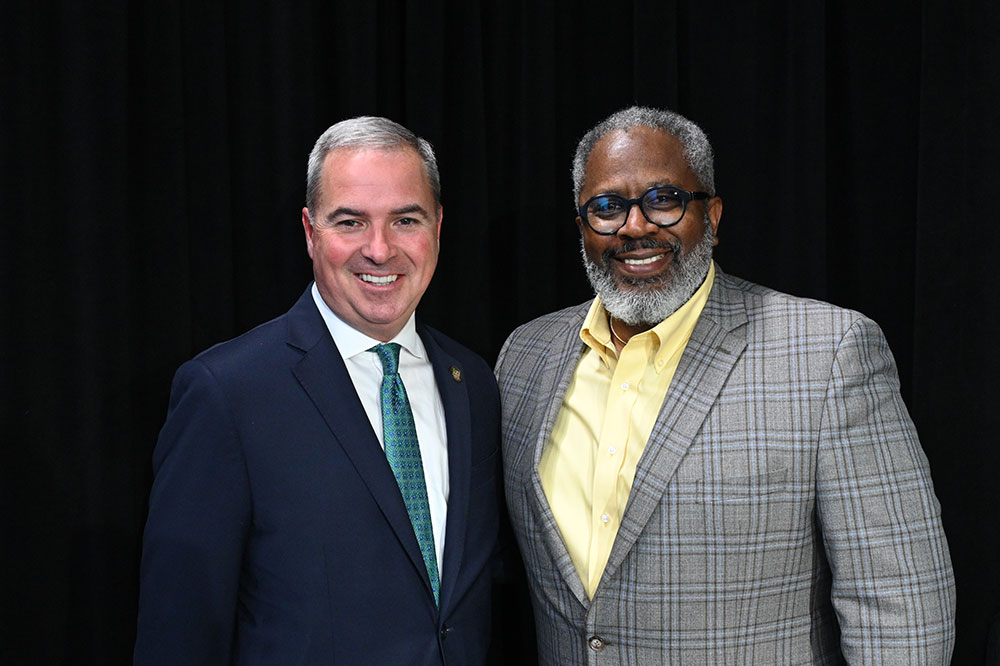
x: 640, y: 262
x: 378, y: 279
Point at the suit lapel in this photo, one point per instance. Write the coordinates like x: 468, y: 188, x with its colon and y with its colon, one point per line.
x: 555, y: 379
x: 716, y: 343
x: 323, y: 376
x: 455, y: 398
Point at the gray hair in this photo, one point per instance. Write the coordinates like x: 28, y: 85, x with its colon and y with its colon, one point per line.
x: 697, y: 149
x: 367, y: 132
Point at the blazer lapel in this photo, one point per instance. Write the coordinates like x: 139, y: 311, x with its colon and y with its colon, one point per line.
x: 555, y: 379
x: 323, y: 376
x: 455, y: 398
x: 716, y: 343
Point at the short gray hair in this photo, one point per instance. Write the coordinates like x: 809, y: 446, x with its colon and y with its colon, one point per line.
x: 697, y: 149
x: 367, y: 132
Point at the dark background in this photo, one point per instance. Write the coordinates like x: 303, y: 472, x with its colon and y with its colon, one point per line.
x: 153, y: 158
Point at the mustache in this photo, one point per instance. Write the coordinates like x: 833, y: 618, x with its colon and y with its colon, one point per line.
x: 640, y: 244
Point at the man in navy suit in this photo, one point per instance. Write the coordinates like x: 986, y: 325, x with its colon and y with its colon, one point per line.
x: 277, y: 531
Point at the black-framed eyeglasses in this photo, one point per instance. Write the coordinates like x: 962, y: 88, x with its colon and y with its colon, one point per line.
x: 663, y: 205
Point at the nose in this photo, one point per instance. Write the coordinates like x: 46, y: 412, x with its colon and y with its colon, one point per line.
x: 636, y: 225
x: 378, y: 246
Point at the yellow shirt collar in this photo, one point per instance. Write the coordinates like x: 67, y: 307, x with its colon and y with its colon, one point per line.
x: 663, y: 338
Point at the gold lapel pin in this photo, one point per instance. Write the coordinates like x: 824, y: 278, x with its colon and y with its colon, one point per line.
x: 456, y: 374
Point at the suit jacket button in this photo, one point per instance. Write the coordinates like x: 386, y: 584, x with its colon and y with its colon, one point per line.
x: 444, y: 632
x: 596, y: 643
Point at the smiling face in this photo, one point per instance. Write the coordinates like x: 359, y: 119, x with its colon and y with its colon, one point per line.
x: 374, y: 237
x: 644, y: 272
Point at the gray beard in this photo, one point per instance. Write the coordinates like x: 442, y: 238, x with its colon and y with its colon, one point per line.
x: 649, y: 301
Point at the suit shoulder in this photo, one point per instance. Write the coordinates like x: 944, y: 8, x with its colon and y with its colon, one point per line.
x: 538, y: 338
x: 456, y: 349
x: 246, y: 354
x: 549, y: 326
x: 769, y: 306
x: 253, y: 340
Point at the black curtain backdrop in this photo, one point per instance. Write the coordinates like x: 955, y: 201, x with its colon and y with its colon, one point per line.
x: 153, y: 158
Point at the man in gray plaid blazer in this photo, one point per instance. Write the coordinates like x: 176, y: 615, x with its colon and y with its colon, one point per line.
x: 701, y: 470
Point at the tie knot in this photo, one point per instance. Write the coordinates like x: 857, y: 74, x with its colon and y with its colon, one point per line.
x: 388, y: 353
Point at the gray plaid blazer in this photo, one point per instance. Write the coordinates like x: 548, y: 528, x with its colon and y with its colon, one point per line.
x: 782, y: 511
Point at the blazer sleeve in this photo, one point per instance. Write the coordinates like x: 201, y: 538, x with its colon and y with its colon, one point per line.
x: 893, y: 587
x: 199, y: 514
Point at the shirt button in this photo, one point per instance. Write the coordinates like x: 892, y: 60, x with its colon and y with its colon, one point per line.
x: 596, y: 643
x: 605, y: 518
x: 624, y: 386
x: 612, y: 450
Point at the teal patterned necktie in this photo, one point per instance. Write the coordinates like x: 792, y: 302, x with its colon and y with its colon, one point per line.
x: 399, y: 433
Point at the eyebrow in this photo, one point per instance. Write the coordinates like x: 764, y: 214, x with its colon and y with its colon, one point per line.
x: 412, y: 208
x: 645, y: 188
x: 354, y: 212
x: 343, y: 210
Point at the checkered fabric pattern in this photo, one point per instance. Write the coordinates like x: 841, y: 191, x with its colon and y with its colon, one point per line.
x: 399, y: 434
x: 782, y: 511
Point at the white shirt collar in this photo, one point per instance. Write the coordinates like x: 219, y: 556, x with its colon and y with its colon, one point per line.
x: 351, y: 342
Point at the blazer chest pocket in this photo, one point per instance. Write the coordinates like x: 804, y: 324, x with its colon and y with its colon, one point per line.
x: 741, y: 506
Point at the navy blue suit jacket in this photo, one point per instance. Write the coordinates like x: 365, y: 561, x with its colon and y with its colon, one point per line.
x: 276, y: 531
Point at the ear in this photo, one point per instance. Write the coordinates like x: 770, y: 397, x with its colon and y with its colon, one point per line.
x: 579, y: 223
x: 714, y: 215
x: 440, y: 218
x: 308, y: 228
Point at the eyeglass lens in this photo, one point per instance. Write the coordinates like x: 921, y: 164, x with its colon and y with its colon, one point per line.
x: 662, y: 205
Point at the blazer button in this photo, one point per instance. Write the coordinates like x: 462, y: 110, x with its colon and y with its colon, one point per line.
x: 444, y: 632
x: 596, y: 643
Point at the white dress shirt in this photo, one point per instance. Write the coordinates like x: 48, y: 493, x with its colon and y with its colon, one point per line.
x: 417, y: 374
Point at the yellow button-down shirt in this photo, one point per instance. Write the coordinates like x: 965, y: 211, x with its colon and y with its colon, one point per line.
x: 611, y: 405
